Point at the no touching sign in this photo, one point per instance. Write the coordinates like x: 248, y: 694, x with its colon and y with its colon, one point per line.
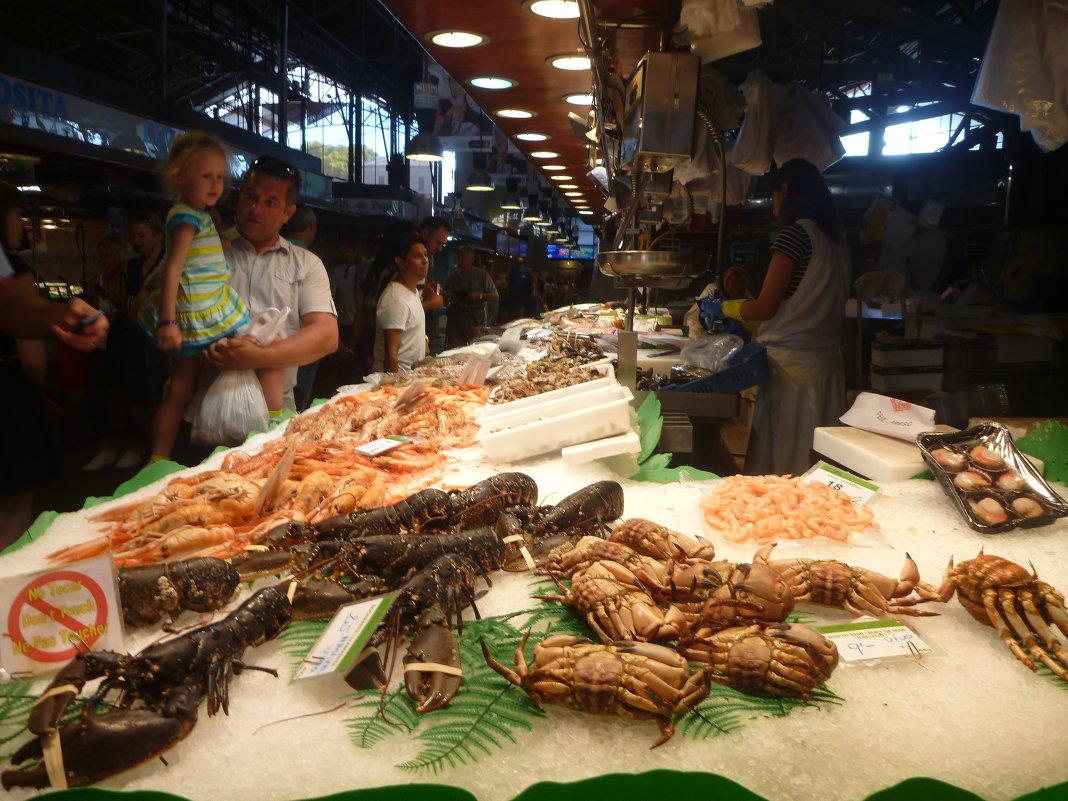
x: 54, y: 614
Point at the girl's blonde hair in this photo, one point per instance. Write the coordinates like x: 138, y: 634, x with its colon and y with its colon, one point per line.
x: 184, y: 148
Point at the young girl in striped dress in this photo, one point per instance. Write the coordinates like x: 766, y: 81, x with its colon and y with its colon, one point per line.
x: 195, y: 305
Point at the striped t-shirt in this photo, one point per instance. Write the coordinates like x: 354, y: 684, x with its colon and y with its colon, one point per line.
x: 793, y: 241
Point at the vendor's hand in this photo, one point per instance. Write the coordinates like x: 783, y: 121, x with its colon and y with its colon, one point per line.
x: 75, y: 331
x: 711, y: 311
x: 168, y: 337
x: 237, y: 353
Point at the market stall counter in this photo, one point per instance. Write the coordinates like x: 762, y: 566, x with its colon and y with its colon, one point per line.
x: 872, y: 725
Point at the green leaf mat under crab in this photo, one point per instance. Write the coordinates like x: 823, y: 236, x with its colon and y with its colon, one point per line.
x: 15, y: 703
x: 489, y: 713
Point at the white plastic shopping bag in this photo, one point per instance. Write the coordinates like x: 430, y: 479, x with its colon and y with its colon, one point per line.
x: 234, y: 406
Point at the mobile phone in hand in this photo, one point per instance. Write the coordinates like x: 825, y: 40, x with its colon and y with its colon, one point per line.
x: 87, y: 321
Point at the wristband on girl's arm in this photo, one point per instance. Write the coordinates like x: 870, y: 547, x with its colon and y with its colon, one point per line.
x: 165, y: 323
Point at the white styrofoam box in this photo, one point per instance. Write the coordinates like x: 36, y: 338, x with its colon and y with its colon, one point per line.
x: 554, y: 433
x: 551, y: 407
x: 910, y: 353
x: 905, y: 381
x: 874, y: 456
x: 602, y: 448
x: 609, y: 379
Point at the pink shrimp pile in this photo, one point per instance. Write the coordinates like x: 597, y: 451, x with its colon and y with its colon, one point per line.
x: 767, y: 509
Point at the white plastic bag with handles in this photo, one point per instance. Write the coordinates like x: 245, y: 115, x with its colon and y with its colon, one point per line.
x: 234, y: 406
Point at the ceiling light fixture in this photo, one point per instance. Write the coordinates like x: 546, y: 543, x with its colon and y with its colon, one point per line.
x: 479, y: 181
x: 511, y: 200
x: 544, y: 154
x: 573, y: 194
x: 514, y: 113
x: 553, y: 9
x: 491, y: 82
x: 565, y: 186
x: 569, y: 61
x: 580, y: 99
x: 559, y: 177
x: 457, y: 38
x: 532, y: 212
x: 553, y: 167
x: 532, y: 137
x: 424, y: 147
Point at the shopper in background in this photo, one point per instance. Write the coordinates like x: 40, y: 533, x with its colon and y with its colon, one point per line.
x: 466, y: 291
x: 400, y: 323
x: 268, y: 270
x: 521, y: 290
x: 800, y: 311
x: 301, y: 230
x: 25, y: 450
x: 435, y: 232
x: 109, y: 408
x: 195, y: 306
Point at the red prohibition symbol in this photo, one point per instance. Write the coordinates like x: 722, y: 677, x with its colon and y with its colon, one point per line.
x: 86, y: 633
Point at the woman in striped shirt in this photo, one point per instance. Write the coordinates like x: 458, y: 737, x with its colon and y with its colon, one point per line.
x: 800, y: 311
x: 195, y: 306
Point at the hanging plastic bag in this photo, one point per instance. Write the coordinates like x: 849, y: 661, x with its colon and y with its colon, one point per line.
x: 755, y: 145
x: 712, y: 352
x: 234, y: 406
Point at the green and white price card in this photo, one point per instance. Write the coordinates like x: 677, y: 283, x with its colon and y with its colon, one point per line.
x: 859, y: 490
x: 339, y: 647
x: 379, y: 446
x: 869, y: 640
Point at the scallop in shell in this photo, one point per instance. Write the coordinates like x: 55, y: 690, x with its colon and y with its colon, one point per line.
x: 950, y: 461
x: 987, y: 458
x: 1027, y: 507
x: 989, y: 510
x: 1010, y: 481
x: 970, y: 480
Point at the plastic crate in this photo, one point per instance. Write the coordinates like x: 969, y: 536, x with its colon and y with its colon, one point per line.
x: 748, y: 367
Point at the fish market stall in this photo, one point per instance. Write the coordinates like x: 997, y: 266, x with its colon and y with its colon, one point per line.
x: 872, y: 724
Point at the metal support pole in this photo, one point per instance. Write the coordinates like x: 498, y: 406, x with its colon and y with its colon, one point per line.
x: 283, y: 71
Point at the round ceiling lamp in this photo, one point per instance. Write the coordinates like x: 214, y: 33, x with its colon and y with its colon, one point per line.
x: 560, y: 177
x: 532, y: 137
x: 491, y: 82
x: 565, y: 186
x: 579, y: 99
x: 544, y: 154
x: 514, y: 113
x: 424, y: 147
x: 554, y: 9
x: 457, y: 38
x: 479, y: 181
x: 554, y: 167
x: 569, y: 61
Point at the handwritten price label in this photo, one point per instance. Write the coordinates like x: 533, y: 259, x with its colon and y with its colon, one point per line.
x: 345, y: 636
x: 379, y: 446
x: 858, y: 489
x: 865, y: 641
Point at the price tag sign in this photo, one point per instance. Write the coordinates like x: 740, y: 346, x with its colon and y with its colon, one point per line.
x: 858, y: 489
x: 380, y: 446
x: 54, y: 614
x: 345, y: 637
x: 869, y: 640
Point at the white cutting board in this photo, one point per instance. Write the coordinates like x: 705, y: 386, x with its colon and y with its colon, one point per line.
x: 874, y: 456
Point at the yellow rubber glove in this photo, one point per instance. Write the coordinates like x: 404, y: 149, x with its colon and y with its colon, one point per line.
x: 733, y: 309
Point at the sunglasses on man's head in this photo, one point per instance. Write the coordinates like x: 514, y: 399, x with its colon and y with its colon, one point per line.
x: 276, y: 168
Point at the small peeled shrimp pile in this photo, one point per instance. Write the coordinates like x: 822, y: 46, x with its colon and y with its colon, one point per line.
x: 767, y: 509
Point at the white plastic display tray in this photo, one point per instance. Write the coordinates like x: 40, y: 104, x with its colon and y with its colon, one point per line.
x: 491, y: 411
x: 584, y: 423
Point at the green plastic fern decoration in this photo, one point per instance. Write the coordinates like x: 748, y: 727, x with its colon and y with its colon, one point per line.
x: 376, y: 719
x: 488, y: 710
x: 15, y: 704
x: 298, y: 639
x: 725, y: 710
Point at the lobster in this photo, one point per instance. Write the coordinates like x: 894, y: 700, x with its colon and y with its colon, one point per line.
x: 168, y: 679
x: 150, y: 592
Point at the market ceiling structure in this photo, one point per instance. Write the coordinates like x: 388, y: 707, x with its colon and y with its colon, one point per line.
x: 190, y: 53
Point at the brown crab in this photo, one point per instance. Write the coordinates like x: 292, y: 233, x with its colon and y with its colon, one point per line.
x: 633, y: 680
x: 1022, y: 609
x: 785, y: 659
x: 829, y: 582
